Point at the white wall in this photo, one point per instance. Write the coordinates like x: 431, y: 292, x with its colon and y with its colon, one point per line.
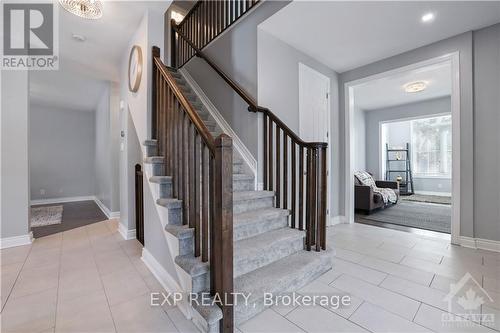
x: 15, y: 193
x: 62, y: 152
x: 107, y: 141
x: 135, y: 122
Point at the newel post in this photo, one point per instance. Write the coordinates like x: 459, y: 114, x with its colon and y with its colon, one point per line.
x: 221, y: 260
x: 154, y: 94
x: 173, y: 44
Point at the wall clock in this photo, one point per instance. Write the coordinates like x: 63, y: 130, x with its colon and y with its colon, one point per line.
x: 135, y: 68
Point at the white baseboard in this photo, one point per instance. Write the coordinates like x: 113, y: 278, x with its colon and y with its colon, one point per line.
x: 439, y: 194
x: 105, y: 210
x: 166, y: 281
x: 479, y: 243
x: 16, y: 241
x: 60, y: 200
x: 219, y: 119
x: 126, y: 234
x: 337, y: 220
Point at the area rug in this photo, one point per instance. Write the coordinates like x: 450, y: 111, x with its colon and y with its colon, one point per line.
x: 414, y: 214
x: 46, y: 215
x: 427, y: 198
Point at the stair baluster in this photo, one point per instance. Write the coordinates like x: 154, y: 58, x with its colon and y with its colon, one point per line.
x: 202, y: 170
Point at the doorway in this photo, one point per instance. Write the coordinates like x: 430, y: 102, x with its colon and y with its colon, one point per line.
x: 314, y: 111
x: 350, y: 140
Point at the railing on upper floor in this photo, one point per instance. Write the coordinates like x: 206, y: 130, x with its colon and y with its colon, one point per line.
x: 202, y: 172
x: 204, y: 22
x: 296, y: 170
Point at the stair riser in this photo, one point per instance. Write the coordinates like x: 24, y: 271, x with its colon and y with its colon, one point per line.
x: 155, y: 169
x: 307, y: 274
x: 171, y: 215
x: 238, y: 168
x: 278, y: 251
x: 243, y: 185
x: 186, y: 246
x: 201, y: 283
x: 162, y: 190
x: 250, y: 230
x: 246, y: 205
x: 151, y: 151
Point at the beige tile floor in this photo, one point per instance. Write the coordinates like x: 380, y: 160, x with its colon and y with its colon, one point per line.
x: 397, y: 282
x: 82, y: 280
x: 90, y: 280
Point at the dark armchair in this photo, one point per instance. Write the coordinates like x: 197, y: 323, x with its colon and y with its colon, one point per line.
x: 366, y: 200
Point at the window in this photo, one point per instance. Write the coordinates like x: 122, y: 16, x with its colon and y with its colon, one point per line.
x: 431, y: 146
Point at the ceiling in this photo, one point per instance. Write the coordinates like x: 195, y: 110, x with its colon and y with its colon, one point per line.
x: 346, y: 35
x: 389, y: 91
x: 84, y: 67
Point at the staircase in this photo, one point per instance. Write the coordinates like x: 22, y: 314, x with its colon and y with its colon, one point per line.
x: 268, y: 257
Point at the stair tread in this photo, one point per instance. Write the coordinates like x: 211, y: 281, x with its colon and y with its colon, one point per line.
x: 282, y: 276
x: 161, y: 179
x: 265, y: 278
x: 257, y: 244
x: 154, y: 159
x: 179, y: 231
x: 192, y: 265
x: 242, y: 176
x: 169, y: 202
x: 260, y: 215
x: 152, y: 142
x: 251, y: 195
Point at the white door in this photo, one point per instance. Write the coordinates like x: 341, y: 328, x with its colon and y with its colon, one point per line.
x: 314, y: 110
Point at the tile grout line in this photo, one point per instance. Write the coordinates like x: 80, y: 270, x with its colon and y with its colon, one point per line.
x: 58, y: 282
x: 100, y: 279
x: 17, y: 277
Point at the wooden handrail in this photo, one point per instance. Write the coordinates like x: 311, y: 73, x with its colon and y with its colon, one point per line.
x: 193, y: 115
x: 252, y: 105
x: 201, y: 168
x: 247, y: 98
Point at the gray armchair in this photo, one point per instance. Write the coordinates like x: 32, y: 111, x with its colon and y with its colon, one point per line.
x: 365, y: 200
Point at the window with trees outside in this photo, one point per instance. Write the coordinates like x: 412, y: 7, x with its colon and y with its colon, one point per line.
x: 431, y: 146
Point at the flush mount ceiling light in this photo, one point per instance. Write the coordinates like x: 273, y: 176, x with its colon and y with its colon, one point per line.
x: 89, y: 9
x: 414, y: 87
x: 428, y: 17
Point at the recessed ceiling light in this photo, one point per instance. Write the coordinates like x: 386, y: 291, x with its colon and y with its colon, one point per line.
x: 428, y: 17
x: 89, y: 9
x: 79, y: 38
x: 414, y: 87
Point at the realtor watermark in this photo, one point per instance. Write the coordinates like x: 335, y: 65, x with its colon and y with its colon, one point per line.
x: 465, y: 304
x: 30, y: 33
x: 332, y: 301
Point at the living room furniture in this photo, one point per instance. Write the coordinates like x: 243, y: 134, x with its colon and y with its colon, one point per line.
x: 398, y: 164
x: 366, y: 200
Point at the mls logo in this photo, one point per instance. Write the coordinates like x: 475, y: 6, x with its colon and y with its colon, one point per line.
x: 29, y: 35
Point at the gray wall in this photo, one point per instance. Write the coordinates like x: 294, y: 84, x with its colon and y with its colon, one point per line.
x: 479, y: 117
x: 278, y: 89
x: 61, y: 152
x: 463, y: 44
x: 236, y: 53
x: 107, y: 145
x: 14, y: 179
x: 102, y: 150
x: 486, y: 133
x: 400, y: 112
x: 360, y: 143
